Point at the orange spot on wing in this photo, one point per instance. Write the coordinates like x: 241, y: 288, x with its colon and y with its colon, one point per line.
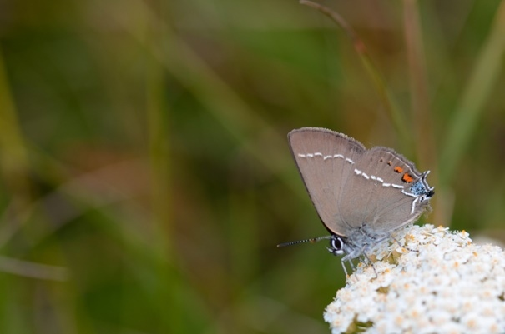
x: 407, y: 178
x: 398, y: 169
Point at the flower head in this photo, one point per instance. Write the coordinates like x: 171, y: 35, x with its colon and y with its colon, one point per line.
x: 434, y: 281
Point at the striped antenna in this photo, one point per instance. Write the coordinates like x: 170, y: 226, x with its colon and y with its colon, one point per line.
x: 312, y: 240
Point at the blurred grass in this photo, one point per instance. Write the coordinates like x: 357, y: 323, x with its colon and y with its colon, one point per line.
x: 144, y: 159
x: 480, y: 85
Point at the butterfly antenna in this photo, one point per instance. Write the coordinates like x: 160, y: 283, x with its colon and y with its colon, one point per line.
x: 312, y: 240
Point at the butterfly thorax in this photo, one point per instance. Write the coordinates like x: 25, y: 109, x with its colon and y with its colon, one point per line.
x: 357, y: 243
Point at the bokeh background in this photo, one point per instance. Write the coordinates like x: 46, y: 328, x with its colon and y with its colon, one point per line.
x: 145, y: 172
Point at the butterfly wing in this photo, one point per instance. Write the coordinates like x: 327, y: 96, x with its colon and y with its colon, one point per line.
x: 325, y: 159
x: 385, y: 190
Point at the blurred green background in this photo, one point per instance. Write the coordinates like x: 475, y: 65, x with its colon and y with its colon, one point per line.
x: 146, y: 176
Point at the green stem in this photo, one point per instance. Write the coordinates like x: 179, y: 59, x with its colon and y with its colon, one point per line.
x: 395, y: 115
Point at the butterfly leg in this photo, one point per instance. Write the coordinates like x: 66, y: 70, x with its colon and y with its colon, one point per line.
x: 348, y: 258
x: 343, y: 266
x: 352, y: 265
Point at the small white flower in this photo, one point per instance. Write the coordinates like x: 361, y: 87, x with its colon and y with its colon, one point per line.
x: 434, y: 280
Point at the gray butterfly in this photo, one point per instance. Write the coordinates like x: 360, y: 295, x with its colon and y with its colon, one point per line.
x: 361, y: 195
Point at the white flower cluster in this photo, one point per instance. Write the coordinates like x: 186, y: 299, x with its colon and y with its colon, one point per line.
x: 436, y: 281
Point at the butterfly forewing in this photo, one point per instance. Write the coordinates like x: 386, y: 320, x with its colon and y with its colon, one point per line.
x: 325, y: 159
